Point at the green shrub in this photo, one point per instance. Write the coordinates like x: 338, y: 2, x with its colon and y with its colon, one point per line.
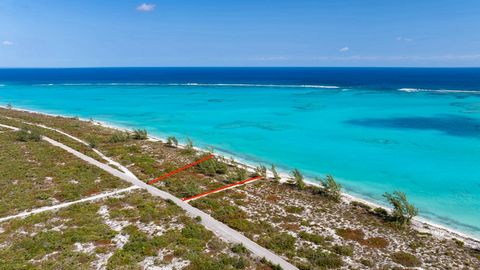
x: 140, y: 134
x: 189, y: 147
x: 323, y: 260
x: 459, y: 243
x: 298, y: 179
x: 330, y: 188
x: 314, y: 238
x: 239, y: 249
x: 172, y: 142
x: 270, y: 264
x: 242, y: 225
x: 196, y: 231
x: 361, y: 205
x: 375, y: 242
x: 212, y: 167
x: 294, y: 209
x: 238, y: 174
x: 119, y: 136
x: 229, y: 212
x: 405, y: 259
x: 416, y: 244
x: 223, y: 261
x: 403, y: 211
x: 261, y: 171
x: 189, y: 189
x: 92, y: 141
x: 367, y: 262
x: 381, y: 212
x: 351, y: 234
x: 279, y: 242
x: 28, y: 134
x: 343, y: 250
x: 276, y: 176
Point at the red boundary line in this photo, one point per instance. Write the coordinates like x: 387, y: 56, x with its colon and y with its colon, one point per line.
x: 221, y: 188
x: 180, y: 169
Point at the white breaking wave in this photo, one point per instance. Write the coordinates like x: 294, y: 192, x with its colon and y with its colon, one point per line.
x: 413, y: 90
x: 193, y: 84
x: 256, y: 85
x: 96, y: 84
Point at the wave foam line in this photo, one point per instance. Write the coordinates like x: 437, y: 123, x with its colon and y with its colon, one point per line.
x: 414, y: 90
x: 257, y: 85
x: 193, y: 84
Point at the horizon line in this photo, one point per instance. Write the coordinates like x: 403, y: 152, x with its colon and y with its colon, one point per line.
x: 133, y: 67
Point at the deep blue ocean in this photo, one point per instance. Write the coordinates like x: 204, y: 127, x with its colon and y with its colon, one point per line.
x: 375, y: 129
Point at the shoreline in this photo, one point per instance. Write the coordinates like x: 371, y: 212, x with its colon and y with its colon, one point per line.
x: 420, y: 224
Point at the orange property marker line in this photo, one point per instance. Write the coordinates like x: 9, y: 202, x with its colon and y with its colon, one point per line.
x: 180, y: 169
x: 222, y: 188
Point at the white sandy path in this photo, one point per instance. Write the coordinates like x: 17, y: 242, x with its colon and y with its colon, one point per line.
x: 67, y: 204
x: 109, y: 160
x: 10, y: 127
x: 218, y: 228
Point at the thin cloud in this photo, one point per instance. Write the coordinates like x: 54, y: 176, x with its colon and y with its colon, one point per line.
x: 344, y: 49
x: 404, y: 39
x: 445, y: 57
x: 7, y: 43
x: 272, y: 58
x: 146, y: 7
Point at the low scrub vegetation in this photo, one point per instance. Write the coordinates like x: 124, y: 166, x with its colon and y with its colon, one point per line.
x: 406, y: 259
x: 343, y: 250
x: 212, y: 166
x: 358, y: 236
x: 119, y: 136
x: 27, y: 134
x: 320, y: 259
x: 140, y: 134
x: 279, y: 242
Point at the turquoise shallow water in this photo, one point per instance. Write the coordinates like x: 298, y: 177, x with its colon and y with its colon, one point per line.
x: 424, y: 143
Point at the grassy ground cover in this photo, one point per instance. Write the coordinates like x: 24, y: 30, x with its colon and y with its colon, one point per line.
x: 131, y: 231
x: 35, y: 174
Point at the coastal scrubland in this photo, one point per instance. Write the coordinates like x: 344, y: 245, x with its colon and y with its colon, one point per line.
x: 129, y: 231
x: 36, y: 174
x: 310, y: 226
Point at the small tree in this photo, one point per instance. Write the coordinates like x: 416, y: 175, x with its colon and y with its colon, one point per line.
x: 172, y: 141
x: 261, y: 171
x: 9, y: 106
x: 330, y: 188
x: 276, y: 176
x: 239, y: 174
x: 140, y: 134
x: 403, y: 211
x: 189, y: 147
x: 298, y: 178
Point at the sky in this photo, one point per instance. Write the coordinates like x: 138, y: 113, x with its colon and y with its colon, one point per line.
x: 121, y: 33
